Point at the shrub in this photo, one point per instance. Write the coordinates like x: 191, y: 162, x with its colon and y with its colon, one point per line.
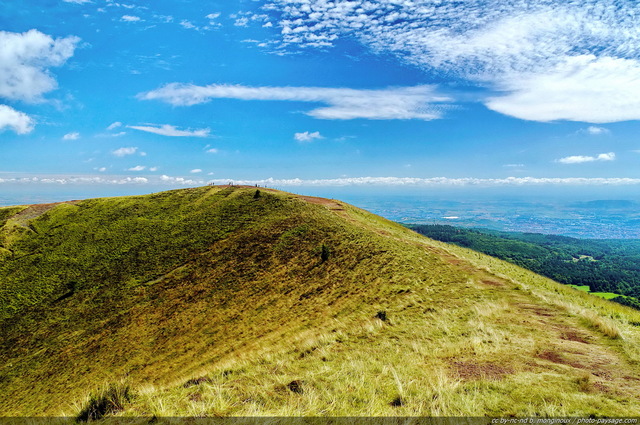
x: 107, y: 401
x: 324, y: 253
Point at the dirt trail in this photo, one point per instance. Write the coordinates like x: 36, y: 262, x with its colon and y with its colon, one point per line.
x: 331, y: 204
x: 571, y: 345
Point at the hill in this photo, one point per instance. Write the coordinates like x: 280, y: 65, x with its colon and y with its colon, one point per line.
x: 219, y: 301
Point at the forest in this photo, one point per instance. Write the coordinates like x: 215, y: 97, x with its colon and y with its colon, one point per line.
x: 605, y: 265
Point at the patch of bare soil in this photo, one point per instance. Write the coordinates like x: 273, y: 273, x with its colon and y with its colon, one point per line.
x: 572, y: 335
x: 551, y: 356
x: 462, y: 264
x: 490, y: 282
x: 470, y: 370
x: 536, y: 309
x: 333, y: 205
x: 36, y: 210
x: 555, y: 357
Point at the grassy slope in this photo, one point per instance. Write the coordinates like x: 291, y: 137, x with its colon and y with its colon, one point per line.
x: 212, y: 283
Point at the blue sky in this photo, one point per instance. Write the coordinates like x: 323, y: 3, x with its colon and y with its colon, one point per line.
x: 144, y: 95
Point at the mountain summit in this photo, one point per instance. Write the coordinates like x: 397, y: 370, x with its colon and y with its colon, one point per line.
x: 242, y: 301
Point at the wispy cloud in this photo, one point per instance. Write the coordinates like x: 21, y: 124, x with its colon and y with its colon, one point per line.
x: 120, y: 152
x: 187, y: 24
x: 130, y: 18
x: 418, y: 102
x: 552, y: 60
x: 78, y: 1
x: 212, y: 150
x: 71, y: 136
x: 171, y: 131
x: 596, y: 131
x: 137, y: 168
x: 118, y: 134
x: 17, y: 121
x: 114, y: 125
x: 195, y: 171
x: 307, y: 137
x: 241, y: 22
x: 578, y: 159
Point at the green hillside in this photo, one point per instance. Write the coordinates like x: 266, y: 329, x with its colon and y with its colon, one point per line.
x: 604, y: 266
x: 219, y: 301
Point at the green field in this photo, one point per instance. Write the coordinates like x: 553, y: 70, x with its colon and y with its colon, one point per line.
x: 605, y: 295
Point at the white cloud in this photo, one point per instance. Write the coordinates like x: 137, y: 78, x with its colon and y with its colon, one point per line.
x: 578, y: 159
x: 212, y: 17
x: 212, y: 150
x: 418, y: 102
x: 129, y: 18
x: 165, y: 19
x: 195, y: 171
x: 17, y: 121
x: 514, y: 165
x: 171, y: 131
x: 582, y: 88
x: 102, y: 169
x: 187, y: 24
x: 436, y: 182
x: 137, y: 168
x: 553, y: 59
x: 345, y: 181
x: 153, y: 168
x: 125, y: 151
x: 78, y: 1
x: 595, y: 131
x: 71, y: 136
x: 114, y: 125
x: 65, y: 180
x: 180, y: 180
x: 241, y: 22
x: 307, y: 137
x: 25, y: 59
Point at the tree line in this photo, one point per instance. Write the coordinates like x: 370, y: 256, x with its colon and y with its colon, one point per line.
x: 604, y: 265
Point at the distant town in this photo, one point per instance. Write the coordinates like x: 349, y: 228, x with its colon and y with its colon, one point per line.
x: 592, y: 220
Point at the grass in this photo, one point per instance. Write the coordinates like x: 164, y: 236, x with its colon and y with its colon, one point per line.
x: 605, y: 295
x: 254, y: 317
x: 583, y: 288
x: 587, y: 289
x: 109, y: 400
